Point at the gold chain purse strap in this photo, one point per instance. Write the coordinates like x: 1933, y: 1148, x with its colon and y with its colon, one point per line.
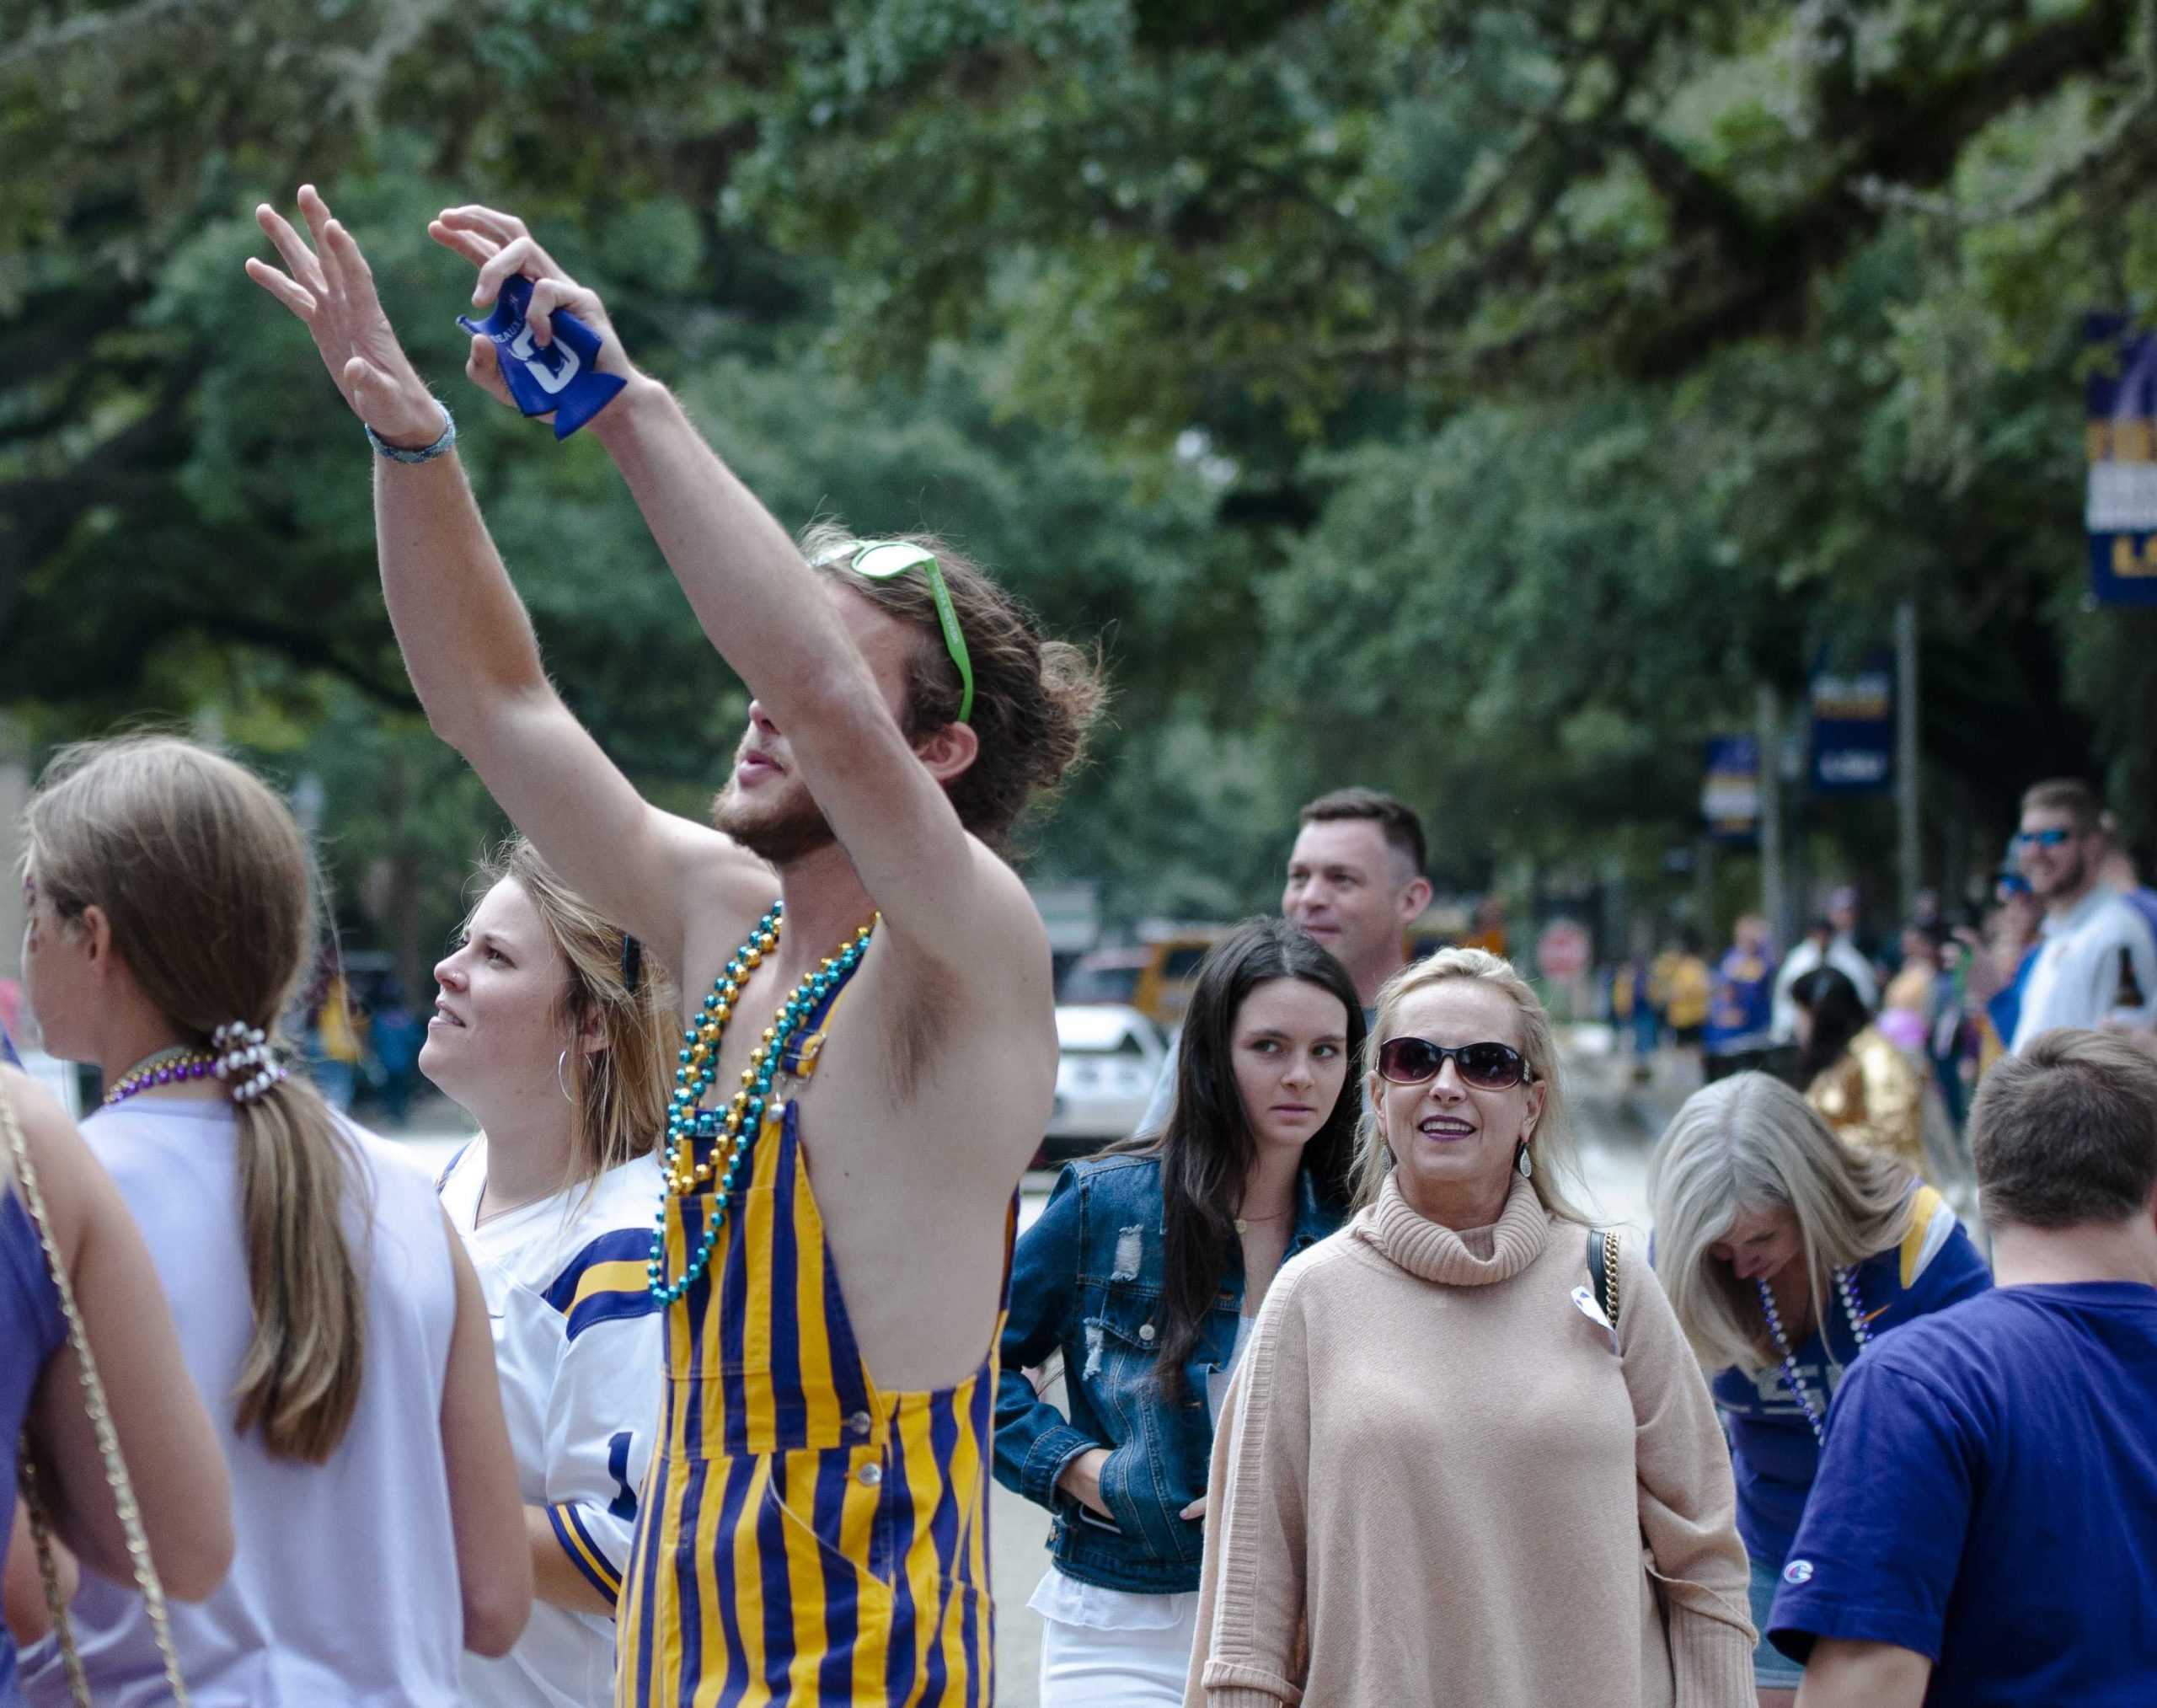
x: 1603, y: 1272
x: 108, y: 1439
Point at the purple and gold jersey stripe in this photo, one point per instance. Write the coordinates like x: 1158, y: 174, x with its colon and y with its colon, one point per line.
x: 585, y: 1552
x: 804, y: 1538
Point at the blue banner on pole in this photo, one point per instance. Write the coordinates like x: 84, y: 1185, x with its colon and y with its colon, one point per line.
x: 1853, y: 727
x: 2121, y: 441
x: 1730, y: 794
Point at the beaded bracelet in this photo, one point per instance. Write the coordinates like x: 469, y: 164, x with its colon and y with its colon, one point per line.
x: 425, y: 453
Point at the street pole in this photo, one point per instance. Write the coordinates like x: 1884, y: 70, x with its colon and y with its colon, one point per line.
x: 1770, y: 722
x: 1906, y: 752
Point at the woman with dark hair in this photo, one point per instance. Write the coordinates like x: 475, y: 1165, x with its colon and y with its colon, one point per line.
x: 1868, y: 1091
x: 1144, y: 1271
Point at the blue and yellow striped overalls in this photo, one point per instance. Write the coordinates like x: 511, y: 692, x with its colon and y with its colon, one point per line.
x: 803, y: 1538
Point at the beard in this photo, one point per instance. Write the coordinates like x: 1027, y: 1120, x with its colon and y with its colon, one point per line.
x: 2064, y: 880
x: 779, y: 829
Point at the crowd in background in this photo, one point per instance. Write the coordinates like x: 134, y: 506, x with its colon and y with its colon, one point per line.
x: 1888, y: 1036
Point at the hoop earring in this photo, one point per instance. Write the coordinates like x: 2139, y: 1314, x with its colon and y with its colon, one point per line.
x: 1524, y: 1162
x: 561, y: 1062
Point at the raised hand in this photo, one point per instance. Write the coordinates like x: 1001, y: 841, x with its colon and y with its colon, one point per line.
x: 331, y: 289
x: 499, y: 245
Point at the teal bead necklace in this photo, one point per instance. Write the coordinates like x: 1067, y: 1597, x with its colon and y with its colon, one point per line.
x: 736, y: 1130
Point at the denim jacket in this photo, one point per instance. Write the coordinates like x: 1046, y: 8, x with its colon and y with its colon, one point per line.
x: 1086, y: 1281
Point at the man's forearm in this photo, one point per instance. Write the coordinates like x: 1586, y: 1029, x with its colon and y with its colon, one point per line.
x: 463, y: 630
x: 752, y: 593
x: 1845, y: 1674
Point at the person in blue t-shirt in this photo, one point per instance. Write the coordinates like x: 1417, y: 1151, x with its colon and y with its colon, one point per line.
x: 1982, y: 1531
x: 1761, y: 1214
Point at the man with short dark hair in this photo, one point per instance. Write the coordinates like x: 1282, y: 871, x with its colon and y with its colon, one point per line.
x: 2078, y: 978
x: 1983, y: 1529
x: 1355, y: 883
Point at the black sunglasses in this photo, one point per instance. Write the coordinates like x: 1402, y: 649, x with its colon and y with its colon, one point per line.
x: 1486, y: 1067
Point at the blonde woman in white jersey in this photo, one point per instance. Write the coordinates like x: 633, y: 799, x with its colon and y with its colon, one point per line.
x: 326, y: 1311
x: 555, y: 1036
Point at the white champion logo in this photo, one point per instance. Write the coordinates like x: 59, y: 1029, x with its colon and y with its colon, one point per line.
x: 1798, y: 1572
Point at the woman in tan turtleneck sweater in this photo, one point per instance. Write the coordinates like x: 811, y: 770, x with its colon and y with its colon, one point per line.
x: 1441, y: 1482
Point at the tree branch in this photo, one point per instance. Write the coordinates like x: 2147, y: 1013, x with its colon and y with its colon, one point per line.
x: 85, y: 27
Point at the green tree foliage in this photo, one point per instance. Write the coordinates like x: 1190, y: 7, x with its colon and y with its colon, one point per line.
x: 1469, y: 398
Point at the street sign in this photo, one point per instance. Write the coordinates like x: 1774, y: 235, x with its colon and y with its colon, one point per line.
x: 1853, y: 727
x: 1562, y: 951
x: 1730, y: 794
x: 2120, y: 435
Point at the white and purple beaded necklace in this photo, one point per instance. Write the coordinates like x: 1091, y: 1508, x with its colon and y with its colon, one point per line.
x: 1846, y: 1289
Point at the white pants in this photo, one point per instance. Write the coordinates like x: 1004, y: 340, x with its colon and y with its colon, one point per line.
x: 1083, y: 1667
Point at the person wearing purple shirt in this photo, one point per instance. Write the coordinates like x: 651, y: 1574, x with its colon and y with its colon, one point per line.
x: 1983, y: 1530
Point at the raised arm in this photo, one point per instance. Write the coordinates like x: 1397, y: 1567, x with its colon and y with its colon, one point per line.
x: 768, y: 614
x: 466, y: 640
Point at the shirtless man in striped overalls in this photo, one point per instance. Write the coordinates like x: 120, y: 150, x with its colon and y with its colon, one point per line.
x: 869, y: 1047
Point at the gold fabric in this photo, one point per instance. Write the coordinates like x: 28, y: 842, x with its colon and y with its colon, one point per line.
x: 1874, y: 1099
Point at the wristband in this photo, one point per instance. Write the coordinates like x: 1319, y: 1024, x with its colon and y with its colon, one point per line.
x: 563, y: 379
x: 425, y: 453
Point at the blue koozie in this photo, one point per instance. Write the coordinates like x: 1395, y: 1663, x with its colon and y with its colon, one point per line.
x: 565, y: 376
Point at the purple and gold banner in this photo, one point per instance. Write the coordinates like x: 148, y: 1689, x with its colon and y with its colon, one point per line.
x: 2121, y: 436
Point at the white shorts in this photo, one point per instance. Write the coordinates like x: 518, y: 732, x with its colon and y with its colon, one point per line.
x: 1133, y: 1666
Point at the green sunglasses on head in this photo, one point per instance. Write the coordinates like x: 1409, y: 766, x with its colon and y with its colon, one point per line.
x: 880, y: 560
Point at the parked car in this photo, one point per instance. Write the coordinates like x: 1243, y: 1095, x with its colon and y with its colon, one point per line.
x: 1154, y: 977
x: 1107, y: 1058
x: 1106, y: 975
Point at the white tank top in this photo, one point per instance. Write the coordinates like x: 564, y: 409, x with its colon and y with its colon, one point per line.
x: 344, y: 1585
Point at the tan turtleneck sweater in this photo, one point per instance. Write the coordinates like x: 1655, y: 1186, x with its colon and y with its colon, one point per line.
x: 1436, y: 1471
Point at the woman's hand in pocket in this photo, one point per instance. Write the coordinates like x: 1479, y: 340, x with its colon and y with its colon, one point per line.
x: 1082, y: 1481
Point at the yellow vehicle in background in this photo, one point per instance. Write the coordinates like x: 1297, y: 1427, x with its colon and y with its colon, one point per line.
x: 1438, y: 926
x: 1154, y: 977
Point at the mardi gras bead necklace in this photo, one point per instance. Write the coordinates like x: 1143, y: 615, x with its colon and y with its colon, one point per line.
x: 1846, y: 1285
x: 735, y: 1131
x: 164, y: 1067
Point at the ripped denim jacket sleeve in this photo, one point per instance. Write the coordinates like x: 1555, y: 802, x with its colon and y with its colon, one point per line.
x: 1034, y: 1440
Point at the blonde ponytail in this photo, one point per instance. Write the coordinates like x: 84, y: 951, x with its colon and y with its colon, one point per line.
x: 209, y: 885
x: 300, y: 1380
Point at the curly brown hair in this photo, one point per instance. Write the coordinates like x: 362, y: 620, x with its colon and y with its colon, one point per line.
x: 1034, y: 698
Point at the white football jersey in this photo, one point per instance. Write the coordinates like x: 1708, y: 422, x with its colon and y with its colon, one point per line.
x: 577, y: 1340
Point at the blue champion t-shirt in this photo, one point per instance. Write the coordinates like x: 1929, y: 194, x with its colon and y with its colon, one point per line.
x: 1772, y: 1453
x: 1988, y: 1499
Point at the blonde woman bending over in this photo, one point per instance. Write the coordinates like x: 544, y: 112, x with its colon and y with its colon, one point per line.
x: 1445, y: 1479
x: 326, y: 1310
x: 557, y: 1039
x: 1785, y: 1253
